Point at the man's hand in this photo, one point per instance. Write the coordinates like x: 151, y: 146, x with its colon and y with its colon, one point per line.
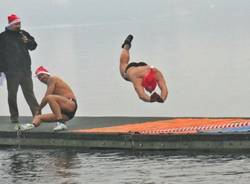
x: 160, y: 100
x: 38, y: 112
x: 25, y: 39
x: 156, y: 98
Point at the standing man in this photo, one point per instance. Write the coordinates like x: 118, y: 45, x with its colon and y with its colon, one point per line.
x: 145, y: 78
x: 60, y: 98
x: 16, y: 64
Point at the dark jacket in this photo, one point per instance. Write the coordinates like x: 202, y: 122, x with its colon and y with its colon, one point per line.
x: 14, y: 53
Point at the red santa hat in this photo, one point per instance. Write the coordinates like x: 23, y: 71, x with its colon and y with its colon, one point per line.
x: 41, y: 70
x: 149, y: 80
x: 13, y: 19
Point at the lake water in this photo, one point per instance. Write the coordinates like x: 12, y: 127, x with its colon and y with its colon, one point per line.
x: 60, y: 166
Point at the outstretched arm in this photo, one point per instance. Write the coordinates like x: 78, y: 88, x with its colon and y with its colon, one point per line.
x: 162, y: 85
x: 50, y: 90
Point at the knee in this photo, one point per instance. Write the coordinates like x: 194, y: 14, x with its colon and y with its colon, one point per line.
x: 49, y: 98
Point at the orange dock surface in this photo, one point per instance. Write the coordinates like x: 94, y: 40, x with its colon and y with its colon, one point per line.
x: 173, y: 126
x: 136, y: 133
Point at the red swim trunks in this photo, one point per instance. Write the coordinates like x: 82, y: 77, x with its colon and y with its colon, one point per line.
x: 149, y: 81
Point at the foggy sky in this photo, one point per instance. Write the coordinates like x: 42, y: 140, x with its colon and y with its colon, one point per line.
x: 202, y: 48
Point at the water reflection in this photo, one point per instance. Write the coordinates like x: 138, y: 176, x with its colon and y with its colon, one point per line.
x: 32, y: 166
x: 23, y: 164
x: 64, y: 162
x: 116, y: 166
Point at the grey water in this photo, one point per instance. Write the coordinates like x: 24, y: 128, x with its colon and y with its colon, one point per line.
x: 60, y: 166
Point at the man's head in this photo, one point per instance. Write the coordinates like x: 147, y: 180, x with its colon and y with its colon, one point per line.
x: 149, y: 81
x: 14, y: 22
x: 42, y: 74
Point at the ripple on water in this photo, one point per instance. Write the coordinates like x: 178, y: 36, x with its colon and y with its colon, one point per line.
x: 96, y: 166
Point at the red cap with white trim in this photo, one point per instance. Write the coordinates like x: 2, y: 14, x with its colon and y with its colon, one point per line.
x: 41, y: 70
x: 13, y: 19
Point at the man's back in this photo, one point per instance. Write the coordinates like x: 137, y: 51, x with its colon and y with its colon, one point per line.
x: 61, y: 87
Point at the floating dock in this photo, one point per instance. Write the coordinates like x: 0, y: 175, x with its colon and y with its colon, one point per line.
x: 135, y: 133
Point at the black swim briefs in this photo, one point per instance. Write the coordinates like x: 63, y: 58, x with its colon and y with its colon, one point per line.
x: 70, y: 115
x: 134, y: 64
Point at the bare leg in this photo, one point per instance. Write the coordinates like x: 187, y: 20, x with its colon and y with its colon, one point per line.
x: 124, y: 60
x: 47, y: 118
x: 55, y: 107
x: 125, y: 56
x: 57, y: 104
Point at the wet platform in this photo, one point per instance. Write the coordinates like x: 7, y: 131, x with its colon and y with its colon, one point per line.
x: 136, y: 133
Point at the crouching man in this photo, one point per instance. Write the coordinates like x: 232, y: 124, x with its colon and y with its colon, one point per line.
x: 60, y: 98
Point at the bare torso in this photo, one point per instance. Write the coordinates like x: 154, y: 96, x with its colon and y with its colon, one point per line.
x: 61, y: 88
x: 137, y: 73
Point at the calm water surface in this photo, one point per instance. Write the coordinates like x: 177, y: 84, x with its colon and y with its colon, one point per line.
x: 98, y: 166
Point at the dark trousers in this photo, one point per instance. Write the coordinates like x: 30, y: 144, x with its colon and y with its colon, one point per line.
x: 24, y: 79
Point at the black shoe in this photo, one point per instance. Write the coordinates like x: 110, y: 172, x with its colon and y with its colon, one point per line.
x: 128, y: 41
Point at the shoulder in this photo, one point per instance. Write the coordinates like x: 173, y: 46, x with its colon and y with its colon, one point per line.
x: 2, y: 34
x: 52, y: 80
x: 25, y: 32
x: 55, y: 79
